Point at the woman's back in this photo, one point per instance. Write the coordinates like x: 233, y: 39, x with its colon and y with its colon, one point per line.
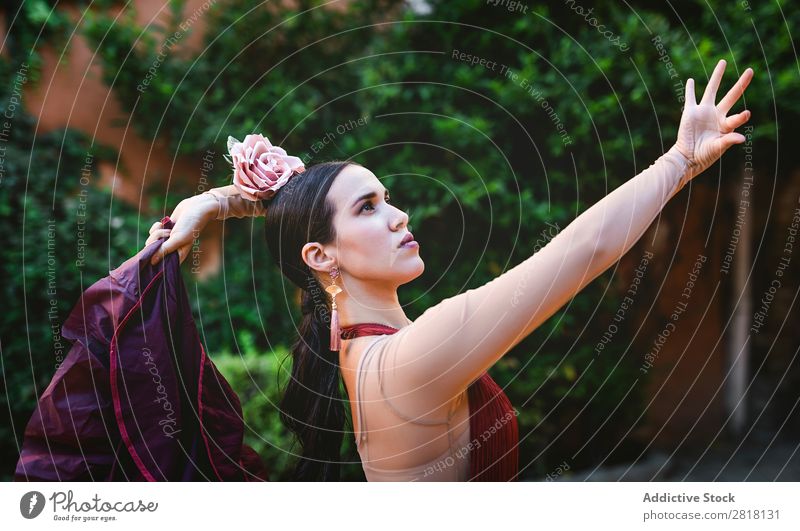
x: 399, y: 436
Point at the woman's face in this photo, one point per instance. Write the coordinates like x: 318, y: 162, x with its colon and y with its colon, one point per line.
x: 369, y: 230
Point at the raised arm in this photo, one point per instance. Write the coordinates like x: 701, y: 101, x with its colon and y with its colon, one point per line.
x: 232, y: 204
x: 259, y: 169
x: 452, y: 343
x: 193, y: 214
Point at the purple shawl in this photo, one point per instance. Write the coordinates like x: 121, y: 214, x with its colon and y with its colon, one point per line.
x: 136, y: 397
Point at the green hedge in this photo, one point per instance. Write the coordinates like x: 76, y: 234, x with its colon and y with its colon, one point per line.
x: 258, y: 378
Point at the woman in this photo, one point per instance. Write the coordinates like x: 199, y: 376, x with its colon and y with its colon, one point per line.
x: 422, y: 404
x: 409, y: 382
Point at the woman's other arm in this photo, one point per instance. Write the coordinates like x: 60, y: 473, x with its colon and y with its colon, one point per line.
x: 194, y: 213
x: 232, y: 204
x: 452, y: 343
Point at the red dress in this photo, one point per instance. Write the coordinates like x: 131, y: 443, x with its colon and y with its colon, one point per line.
x: 137, y: 398
x: 492, y: 420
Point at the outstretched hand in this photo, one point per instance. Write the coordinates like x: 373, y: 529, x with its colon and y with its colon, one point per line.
x: 705, y: 130
x: 190, y: 218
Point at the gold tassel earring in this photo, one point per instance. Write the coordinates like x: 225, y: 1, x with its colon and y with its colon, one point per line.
x: 333, y: 289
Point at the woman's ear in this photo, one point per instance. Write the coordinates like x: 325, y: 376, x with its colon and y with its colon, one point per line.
x: 316, y: 258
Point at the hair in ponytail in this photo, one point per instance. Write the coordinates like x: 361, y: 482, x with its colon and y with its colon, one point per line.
x: 312, y: 406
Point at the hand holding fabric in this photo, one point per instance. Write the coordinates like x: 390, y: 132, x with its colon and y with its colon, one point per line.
x: 190, y: 217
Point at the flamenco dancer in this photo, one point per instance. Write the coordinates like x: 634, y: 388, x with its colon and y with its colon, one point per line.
x: 422, y: 404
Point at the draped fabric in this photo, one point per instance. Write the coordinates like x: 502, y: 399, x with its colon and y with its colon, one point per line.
x: 493, y: 424
x: 137, y: 398
x: 494, y: 432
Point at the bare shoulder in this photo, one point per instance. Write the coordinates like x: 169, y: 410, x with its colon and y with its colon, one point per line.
x: 350, y: 356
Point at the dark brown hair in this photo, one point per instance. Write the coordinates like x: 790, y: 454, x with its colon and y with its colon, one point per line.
x: 311, y: 405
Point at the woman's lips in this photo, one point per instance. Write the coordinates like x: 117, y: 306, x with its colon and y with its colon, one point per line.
x: 406, y: 239
x: 411, y: 243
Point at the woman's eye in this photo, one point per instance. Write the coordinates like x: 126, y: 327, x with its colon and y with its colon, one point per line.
x: 388, y: 199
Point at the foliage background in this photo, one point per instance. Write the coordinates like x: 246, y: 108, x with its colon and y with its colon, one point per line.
x: 473, y: 158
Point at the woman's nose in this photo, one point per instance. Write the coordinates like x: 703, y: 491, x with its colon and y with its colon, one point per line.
x: 400, y: 220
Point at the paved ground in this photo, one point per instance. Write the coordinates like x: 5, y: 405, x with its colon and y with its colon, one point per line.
x: 768, y: 452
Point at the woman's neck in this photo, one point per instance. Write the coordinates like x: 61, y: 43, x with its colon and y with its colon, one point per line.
x: 373, y: 305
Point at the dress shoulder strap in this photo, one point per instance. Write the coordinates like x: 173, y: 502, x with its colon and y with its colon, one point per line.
x: 415, y: 420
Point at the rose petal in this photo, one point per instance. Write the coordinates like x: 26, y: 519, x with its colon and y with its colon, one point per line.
x: 294, y: 162
x: 258, y: 182
x: 260, y: 168
x: 259, y: 149
x: 278, y: 150
x: 247, y: 178
x: 268, y: 177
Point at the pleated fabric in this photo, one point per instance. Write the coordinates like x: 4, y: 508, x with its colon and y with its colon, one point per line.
x: 493, y: 427
x: 494, y: 432
x: 137, y: 398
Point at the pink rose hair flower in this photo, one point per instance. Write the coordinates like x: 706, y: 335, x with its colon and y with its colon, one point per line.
x: 259, y: 168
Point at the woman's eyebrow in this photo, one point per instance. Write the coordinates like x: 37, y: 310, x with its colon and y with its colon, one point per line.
x: 370, y: 195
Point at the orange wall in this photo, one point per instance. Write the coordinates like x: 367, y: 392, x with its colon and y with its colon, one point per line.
x: 71, y: 93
